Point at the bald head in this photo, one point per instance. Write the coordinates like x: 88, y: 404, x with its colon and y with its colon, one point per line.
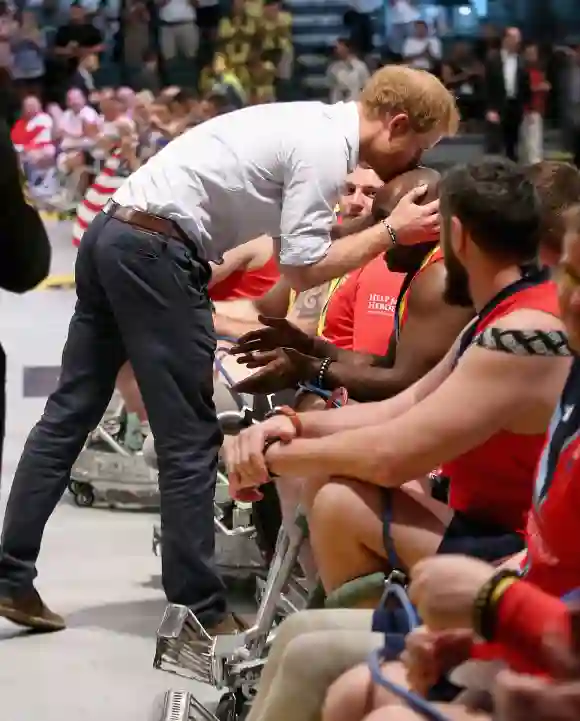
x: 388, y: 196
x: 391, y: 193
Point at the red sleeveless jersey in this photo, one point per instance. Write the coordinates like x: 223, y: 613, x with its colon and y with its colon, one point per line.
x: 553, y: 561
x: 553, y: 554
x: 247, y: 283
x: 495, y: 480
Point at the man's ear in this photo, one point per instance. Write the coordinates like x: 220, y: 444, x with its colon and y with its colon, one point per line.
x: 458, y: 237
x: 398, y: 125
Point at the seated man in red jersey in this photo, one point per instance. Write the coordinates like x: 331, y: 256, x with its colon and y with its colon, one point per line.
x: 462, y: 599
x: 335, y: 640
x: 425, y: 325
x: 481, y: 413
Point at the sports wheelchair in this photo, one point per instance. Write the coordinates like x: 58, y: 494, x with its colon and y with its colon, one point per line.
x: 233, y: 663
x: 107, y: 471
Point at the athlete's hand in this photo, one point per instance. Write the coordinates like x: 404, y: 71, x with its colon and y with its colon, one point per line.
x: 428, y: 655
x: 530, y: 698
x: 276, y: 333
x: 444, y: 589
x: 244, y: 454
x: 415, y: 223
x: 279, y: 369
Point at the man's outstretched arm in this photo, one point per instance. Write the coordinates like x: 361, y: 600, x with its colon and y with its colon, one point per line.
x: 486, y: 392
x: 24, y: 245
x: 431, y: 328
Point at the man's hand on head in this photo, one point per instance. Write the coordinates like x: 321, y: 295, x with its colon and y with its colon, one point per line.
x: 415, y: 223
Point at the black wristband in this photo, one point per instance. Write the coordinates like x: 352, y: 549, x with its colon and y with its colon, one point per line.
x: 267, y: 443
x: 487, y: 600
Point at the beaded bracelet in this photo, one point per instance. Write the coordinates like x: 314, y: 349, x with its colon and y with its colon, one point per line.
x: 322, y: 372
x: 391, y: 231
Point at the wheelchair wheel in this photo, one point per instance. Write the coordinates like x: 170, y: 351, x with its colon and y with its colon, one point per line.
x: 267, y: 519
x: 83, y: 495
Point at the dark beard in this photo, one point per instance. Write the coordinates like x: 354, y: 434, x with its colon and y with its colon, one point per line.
x: 456, y: 283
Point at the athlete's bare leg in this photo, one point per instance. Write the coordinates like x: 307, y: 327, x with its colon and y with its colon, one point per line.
x: 417, y: 528
x: 354, y: 697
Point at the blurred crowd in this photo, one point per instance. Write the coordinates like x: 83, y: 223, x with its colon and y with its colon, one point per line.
x: 506, y: 86
x: 180, y: 62
x: 73, y: 134
x: 246, y: 53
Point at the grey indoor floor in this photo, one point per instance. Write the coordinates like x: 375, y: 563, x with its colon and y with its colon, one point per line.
x: 96, y: 566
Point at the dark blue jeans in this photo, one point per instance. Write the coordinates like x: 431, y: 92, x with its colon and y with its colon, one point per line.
x: 142, y: 297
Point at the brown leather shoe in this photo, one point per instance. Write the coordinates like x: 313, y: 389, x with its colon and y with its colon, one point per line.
x: 228, y: 625
x: 28, y: 609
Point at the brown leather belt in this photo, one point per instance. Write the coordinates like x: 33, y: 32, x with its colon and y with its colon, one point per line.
x: 146, y: 221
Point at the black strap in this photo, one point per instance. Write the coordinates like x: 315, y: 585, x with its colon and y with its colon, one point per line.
x: 524, y: 342
x: 531, y: 276
x: 565, y: 426
x: 402, y: 292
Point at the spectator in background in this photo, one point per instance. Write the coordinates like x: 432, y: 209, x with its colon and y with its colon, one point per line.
x: 148, y: 76
x: 33, y: 131
x: 489, y: 42
x: 208, y: 19
x: 213, y: 105
x: 462, y: 73
x: 114, y: 120
x: 73, y: 40
x: 401, y: 16
x: 179, y: 34
x: 507, y: 92
x: 347, y: 74
x: 422, y: 50
x: 275, y: 34
x: 28, y: 46
x: 135, y: 39
x: 260, y: 79
x: 32, y: 135
x: 237, y: 33
x: 83, y: 77
x: 8, y: 27
x: 533, y: 122
x: 221, y: 79
x: 358, y: 20
x: 571, y: 99
x: 78, y: 132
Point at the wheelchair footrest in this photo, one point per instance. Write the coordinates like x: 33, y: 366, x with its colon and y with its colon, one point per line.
x: 183, y: 645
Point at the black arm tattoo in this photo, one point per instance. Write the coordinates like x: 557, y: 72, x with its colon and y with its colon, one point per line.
x: 524, y: 342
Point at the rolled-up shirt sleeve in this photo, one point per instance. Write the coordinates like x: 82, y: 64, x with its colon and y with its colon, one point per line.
x: 315, y: 171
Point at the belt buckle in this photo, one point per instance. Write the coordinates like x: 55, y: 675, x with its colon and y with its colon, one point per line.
x: 109, y: 206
